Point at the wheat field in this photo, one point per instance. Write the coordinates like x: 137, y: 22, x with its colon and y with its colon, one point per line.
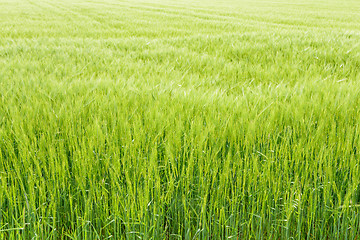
x: 166, y: 119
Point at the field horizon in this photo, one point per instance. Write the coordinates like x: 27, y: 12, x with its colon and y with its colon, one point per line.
x: 179, y: 119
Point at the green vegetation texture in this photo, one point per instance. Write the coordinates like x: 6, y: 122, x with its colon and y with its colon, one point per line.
x: 179, y: 119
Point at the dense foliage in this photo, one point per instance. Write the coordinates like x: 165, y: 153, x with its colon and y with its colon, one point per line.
x: 179, y: 119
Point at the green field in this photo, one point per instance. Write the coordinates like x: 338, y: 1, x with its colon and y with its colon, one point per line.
x: 181, y: 119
